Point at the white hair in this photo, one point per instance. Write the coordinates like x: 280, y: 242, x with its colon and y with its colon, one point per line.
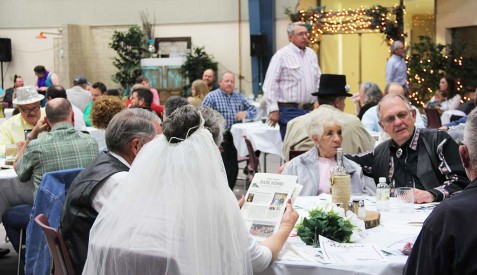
x: 389, y: 96
x: 291, y: 27
x: 396, y: 44
x: 470, y: 138
x: 321, y: 118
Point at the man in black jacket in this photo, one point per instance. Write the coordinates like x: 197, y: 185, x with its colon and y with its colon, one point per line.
x: 126, y: 134
x: 422, y: 158
x: 448, y: 238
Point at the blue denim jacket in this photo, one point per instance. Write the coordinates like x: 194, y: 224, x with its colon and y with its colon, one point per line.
x: 49, y: 201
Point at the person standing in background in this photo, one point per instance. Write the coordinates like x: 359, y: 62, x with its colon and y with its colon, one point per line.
x: 396, y: 68
x: 292, y: 76
x: 45, y: 80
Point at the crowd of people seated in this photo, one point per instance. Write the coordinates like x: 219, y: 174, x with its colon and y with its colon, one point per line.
x: 149, y: 195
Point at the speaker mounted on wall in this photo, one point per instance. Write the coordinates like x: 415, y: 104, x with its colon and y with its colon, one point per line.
x: 258, y: 45
x: 5, y: 50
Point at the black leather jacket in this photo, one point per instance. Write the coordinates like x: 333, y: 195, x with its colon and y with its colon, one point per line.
x: 439, y: 167
x: 78, y: 214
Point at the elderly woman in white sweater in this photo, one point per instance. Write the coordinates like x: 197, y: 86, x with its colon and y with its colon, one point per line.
x: 313, y: 167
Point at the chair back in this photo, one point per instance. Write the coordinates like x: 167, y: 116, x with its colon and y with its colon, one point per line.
x: 294, y: 153
x: 253, y: 162
x: 433, y: 118
x: 61, y: 259
x: 48, y: 201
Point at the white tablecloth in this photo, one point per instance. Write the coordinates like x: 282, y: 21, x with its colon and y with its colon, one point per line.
x: 12, y: 191
x: 263, y: 137
x: 392, y: 234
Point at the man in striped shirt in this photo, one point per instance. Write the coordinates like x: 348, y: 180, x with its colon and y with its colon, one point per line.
x: 292, y: 76
x: 234, y: 107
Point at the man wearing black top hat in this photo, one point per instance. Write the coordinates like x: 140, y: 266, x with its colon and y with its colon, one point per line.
x: 331, y: 95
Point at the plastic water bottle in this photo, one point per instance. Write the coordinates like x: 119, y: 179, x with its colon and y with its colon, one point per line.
x: 382, y: 195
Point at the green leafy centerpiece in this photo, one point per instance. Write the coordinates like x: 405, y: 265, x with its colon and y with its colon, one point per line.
x: 331, y: 222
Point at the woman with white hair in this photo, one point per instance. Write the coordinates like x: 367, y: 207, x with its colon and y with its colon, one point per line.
x: 313, y: 167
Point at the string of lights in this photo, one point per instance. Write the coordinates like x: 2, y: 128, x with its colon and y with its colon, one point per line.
x: 348, y: 21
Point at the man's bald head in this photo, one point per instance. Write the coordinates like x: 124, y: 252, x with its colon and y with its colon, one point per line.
x: 59, y: 110
x: 394, y: 88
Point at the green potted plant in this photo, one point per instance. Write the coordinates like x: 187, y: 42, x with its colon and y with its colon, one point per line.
x: 129, y: 47
x: 196, y: 63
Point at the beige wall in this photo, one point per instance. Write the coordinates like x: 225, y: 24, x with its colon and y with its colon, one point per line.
x: 452, y: 14
x: 28, y: 52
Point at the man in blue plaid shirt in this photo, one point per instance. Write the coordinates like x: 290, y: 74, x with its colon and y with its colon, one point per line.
x: 234, y: 107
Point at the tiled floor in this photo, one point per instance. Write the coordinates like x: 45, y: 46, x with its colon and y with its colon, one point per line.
x: 8, y: 264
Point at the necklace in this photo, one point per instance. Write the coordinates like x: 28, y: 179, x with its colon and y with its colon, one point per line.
x: 399, y: 153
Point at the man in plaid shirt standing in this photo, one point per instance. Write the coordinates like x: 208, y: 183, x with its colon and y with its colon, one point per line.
x: 234, y: 107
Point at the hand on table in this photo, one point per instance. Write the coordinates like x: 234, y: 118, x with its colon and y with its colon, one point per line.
x: 421, y: 196
x: 273, y: 118
x: 240, y: 116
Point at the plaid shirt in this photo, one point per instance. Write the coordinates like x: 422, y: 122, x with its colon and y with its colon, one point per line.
x: 62, y: 148
x: 229, y: 105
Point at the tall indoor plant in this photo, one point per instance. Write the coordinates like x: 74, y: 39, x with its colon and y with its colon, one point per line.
x: 129, y: 47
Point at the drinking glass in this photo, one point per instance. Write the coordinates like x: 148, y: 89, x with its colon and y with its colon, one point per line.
x: 405, y: 199
x: 10, y: 151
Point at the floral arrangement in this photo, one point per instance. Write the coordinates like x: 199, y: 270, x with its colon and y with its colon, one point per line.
x: 331, y: 222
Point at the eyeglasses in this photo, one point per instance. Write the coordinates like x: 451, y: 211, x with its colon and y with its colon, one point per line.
x: 29, y: 110
x: 302, y: 34
x: 391, y: 119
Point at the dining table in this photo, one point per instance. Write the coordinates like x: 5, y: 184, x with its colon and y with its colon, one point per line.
x: 263, y: 137
x: 13, y: 192
x: 396, y: 229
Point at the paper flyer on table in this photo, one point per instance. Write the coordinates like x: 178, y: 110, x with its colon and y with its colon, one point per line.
x: 335, y: 252
x: 265, y: 202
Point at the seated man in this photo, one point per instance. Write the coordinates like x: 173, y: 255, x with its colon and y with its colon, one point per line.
x: 141, y: 97
x: 97, y: 90
x: 127, y: 132
x: 13, y: 129
x: 331, y: 96
x: 448, y: 238
x: 55, y: 91
x: 61, y: 148
x: 370, y: 118
x: 426, y: 159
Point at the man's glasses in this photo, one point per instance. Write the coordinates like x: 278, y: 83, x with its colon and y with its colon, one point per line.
x: 301, y: 34
x: 391, y: 119
x: 29, y: 110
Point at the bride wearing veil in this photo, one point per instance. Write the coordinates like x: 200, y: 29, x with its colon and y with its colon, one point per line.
x: 175, y: 213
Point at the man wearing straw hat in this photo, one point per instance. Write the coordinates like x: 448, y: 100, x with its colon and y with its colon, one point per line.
x: 13, y: 129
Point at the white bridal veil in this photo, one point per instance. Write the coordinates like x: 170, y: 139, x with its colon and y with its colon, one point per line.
x: 174, y: 214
